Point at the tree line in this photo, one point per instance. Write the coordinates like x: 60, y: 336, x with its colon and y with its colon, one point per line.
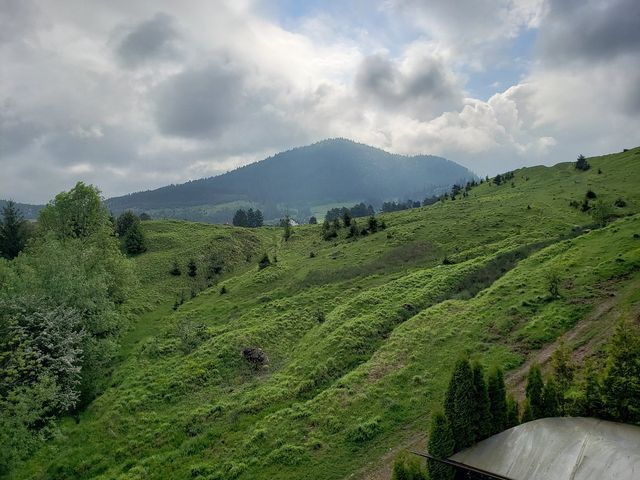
x: 248, y: 218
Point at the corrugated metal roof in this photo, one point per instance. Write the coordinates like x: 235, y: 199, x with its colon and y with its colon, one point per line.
x: 564, y: 448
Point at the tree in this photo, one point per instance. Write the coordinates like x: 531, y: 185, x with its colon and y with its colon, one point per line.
x: 134, y: 240
x: 287, y: 228
x: 77, y: 213
x: 313, y: 221
x: 144, y: 217
x: 553, y: 285
x: 13, y: 231
x: 354, y: 231
x: 372, y: 224
x: 550, y: 399
x: 582, y: 163
x: 258, y: 218
x: 240, y: 218
x: 527, y: 414
x: 346, y: 217
x: 601, y: 213
x: 482, y: 421
x: 441, y: 445
x: 175, y: 269
x: 563, y: 371
x: 497, y: 393
x: 621, y: 382
x: 592, y: 405
x: 460, y: 405
x: 251, y: 218
x: 513, y: 414
x: 125, y: 221
x: 192, y: 268
x: 534, y: 392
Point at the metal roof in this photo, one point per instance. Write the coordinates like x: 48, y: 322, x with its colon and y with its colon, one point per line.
x: 564, y: 448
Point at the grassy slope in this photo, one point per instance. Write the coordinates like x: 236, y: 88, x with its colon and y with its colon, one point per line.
x: 340, y: 392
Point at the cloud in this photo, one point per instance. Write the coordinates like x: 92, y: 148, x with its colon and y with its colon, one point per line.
x: 420, y: 82
x: 590, y: 31
x: 200, y: 102
x: 153, y: 39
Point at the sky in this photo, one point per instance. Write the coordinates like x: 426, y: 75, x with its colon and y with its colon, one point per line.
x: 136, y: 94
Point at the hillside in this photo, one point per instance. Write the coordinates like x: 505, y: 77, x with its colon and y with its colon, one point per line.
x: 327, y: 172
x: 30, y: 212
x: 361, y: 334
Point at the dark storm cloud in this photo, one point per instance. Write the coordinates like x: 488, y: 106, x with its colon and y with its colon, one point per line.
x: 200, y: 102
x: 590, y: 30
x: 426, y: 82
x: 154, y: 39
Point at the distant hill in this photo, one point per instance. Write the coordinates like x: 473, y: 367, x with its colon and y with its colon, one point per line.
x: 30, y: 212
x: 327, y: 172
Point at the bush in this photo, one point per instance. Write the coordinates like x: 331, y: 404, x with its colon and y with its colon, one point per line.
x: 264, y: 262
x: 582, y: 163
x: 255, y: 356
x: 175, y: 270
x: 364, y: 431
x: 591, y: 194
x: 620, y: 203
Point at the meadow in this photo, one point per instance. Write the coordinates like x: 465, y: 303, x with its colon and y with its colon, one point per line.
x: 360, y: 333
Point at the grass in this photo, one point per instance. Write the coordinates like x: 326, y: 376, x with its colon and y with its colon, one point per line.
x: 361, y: 336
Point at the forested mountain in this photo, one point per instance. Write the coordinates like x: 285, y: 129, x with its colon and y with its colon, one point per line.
x: 30, y: 212
x: 330, y: 171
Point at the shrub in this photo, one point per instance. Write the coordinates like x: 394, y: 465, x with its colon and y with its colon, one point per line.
x: 582, y: 163
x: 364, y: 431
x: 175, y: 269
x: 264, y: 262
x: 255, y: 356
x: 591, y: 194
x: 620, y: 203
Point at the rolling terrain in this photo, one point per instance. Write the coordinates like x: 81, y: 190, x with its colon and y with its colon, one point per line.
x: 360, y: 333
x: 335, y: 171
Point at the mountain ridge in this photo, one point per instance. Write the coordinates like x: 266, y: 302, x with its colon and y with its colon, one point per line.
x: 328, y: 171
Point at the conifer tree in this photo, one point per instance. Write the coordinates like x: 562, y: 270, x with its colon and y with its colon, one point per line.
x: 134, y: 240
x: 240, y: 218
x: 497, y: 401
x: 372, y: 224
x: 354, y: 231
x: 563, y: 371
x: 251, y: 218
x: 346, y: 217
x: 481, y: 400
x: 13, y: 231
x: 513, y: 414
x: 258, y: 218
x: 534, y: 390
x: 313, y: 221
x: 621, y: 383
x: 460, y: 405
x: 550, y: 401
x: 592, y: 405
x: 527, y: 414
x: 441, y: 445
x: 582, y: 163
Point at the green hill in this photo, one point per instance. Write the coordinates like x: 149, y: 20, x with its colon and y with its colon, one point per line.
x: 360, y: 334
x: 297, y: 181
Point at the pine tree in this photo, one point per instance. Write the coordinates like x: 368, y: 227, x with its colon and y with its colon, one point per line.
x: 513, y: 413
x: 125, y: 221
x: 258, y: 218
x: 441, y: 445
x: 481, y: 400
x: 287, y: 228
x: 497, y: 401
x: 240, y: 218
x: 251, y: 218
x: 13, y: 231
x: 534, y: 390
x: 582, y: 163
x: 346, y: 217
x: 527, y: 414
x: 313, y: 221
x: 563, y: 371
x: 592, y: 405
x: 372, y: 224
x: 621, y: 383
x: 460, y: 405
x: 550, y: 401
x: 134, y: 240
